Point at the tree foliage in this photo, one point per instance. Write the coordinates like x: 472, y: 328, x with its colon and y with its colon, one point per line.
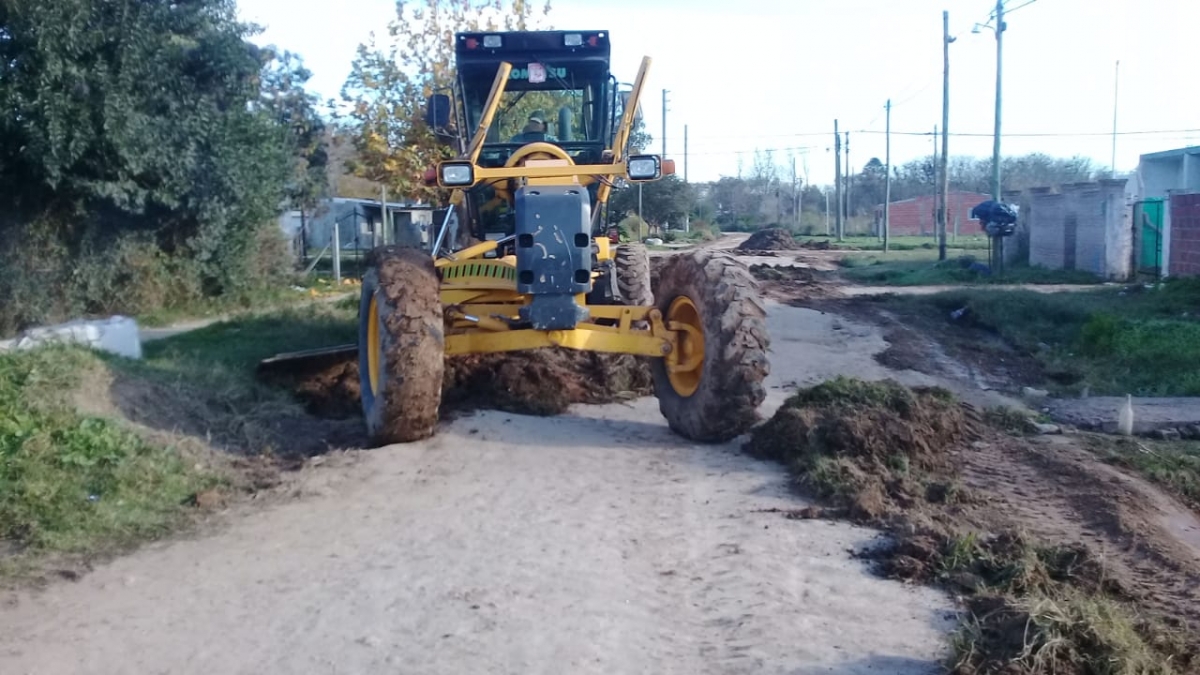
x: 764, y: 197
x: 150, y: 127
x: 391, y: 78
x: 664, y: 202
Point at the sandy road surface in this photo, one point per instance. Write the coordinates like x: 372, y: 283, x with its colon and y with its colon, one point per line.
x: 595, y: 542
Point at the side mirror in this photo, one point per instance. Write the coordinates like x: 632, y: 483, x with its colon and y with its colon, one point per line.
x: 437, y: 111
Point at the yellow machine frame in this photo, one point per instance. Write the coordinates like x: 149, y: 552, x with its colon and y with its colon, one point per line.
x: 480, y: 294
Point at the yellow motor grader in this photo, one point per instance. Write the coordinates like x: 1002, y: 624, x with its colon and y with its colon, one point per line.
x: 543, y: 272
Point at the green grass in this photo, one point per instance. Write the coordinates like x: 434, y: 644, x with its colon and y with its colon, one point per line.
x: 922, y: 268
x: 86, y: 483
x: 237, y: 345
x: 1174, y: 466
x: 902, y: 243
x: 247, y: 303
x: 1140, y: 341
x: 74, y: 483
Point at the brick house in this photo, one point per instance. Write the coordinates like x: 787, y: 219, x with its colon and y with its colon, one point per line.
x: 1164, y: 212
x: 917, y: 216
x: 1185, y: 235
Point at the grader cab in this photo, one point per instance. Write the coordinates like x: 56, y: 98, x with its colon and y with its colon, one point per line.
x: 550, y: 127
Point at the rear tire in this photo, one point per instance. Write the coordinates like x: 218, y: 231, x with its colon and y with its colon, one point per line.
x: 719, y: 399
x: 633, y: 275
x: 401, y: 345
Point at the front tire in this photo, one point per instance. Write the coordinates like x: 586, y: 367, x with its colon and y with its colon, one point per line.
x: 713, y: 298
x: 401, y: 345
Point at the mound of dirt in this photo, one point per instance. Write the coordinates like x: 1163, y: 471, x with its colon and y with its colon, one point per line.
x: 1062, y: 566
x: 543, y: 381
x: 784, y: 273
x: 874, y: 448
x: 770, y: 239
x: 332, y: 393
x: 536, y: 382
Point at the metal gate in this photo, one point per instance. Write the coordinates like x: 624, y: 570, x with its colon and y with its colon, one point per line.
x: 1148, y: 224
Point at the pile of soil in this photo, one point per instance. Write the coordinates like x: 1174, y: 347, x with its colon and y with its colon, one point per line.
x: 770, y: 239
x: 543, y: 381
x: 535, y: 382
x: 1061, y: 561
x: 874, y: 448
x: 782, y: 273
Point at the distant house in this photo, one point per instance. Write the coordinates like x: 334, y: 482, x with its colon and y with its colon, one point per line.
x: 1166, y: 213
x: 918, y: 215
x: 359, y: 224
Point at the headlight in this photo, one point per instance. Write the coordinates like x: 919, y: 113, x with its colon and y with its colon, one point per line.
x: 492, y: 42
x: 642, y: 168
x: 572, y: 40
x: 458, y: 174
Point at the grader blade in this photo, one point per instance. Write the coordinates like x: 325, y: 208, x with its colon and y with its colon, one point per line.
x: 296, y: 365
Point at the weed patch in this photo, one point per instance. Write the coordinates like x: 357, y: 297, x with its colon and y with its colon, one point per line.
x: 79, y: 484
x: 871, y: 447
x: 1174, y: 466
x: 892, y: 457
x: 885, y: 270
x: 1114, y: 341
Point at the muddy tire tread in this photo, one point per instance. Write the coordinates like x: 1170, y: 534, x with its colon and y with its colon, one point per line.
x: 413, y: 344
x: 736, y: 347
x: 633, y: 275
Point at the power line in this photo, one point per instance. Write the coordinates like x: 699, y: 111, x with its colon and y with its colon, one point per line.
x: 1066, y: 134
x: 1046, y: 134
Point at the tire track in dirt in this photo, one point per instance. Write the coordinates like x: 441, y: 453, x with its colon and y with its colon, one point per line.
x: 592, y: 542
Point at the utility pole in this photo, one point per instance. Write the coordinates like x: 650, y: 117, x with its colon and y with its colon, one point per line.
x: 1116, y: 92
x: 795, y: 194
x: 944, y: 187
x: 383, y: 214
x: 687, y: 217
x: 849, y: 180
x: 837, y: 179
x: 685, y: 152
x: 887, y: 181
x: 996, y: 138
x: 826, y: 191
x: 664, y: 134
x: 936, y: 179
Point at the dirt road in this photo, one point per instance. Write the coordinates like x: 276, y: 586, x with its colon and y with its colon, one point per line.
x: 595, y: 542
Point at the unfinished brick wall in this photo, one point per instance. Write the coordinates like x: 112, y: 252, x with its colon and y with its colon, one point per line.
x: 1185, y: 235
x: 917, y: 216
x: 1045, y: 223
x: 1085, y: 226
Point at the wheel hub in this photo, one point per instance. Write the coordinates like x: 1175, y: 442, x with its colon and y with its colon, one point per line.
x: 685, y: 364
x: 374, y: 347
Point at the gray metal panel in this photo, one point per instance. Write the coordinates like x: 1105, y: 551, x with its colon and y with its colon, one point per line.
x: 554, y: 254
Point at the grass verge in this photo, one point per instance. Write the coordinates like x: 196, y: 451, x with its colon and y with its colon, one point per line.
x: 78, y: 484
x: 99, y: 453
x: 1173, y: 465
x: 316, y: 285
x: 890, y: 457
x: 925, y: 270
x: 900, y: 243
x: 1135, y: 340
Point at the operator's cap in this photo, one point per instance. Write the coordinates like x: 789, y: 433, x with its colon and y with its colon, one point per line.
x: 537, y: 116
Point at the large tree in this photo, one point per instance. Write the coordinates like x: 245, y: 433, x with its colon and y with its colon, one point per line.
x: 153, y: 120
x: 664, y: 201
x: 391, y: 78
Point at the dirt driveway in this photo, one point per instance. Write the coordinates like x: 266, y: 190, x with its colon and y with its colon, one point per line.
x: 595, y: 542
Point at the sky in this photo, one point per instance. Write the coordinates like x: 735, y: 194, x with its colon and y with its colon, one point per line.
x: 775, y: 74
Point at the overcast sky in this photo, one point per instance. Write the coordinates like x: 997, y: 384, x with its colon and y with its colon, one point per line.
x: 776, y: 73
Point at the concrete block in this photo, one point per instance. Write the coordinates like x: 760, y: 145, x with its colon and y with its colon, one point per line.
x: 115, y: 335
